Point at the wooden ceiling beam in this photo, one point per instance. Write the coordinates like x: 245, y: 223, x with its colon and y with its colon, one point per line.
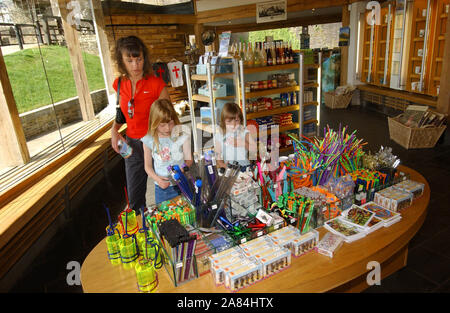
x: 245, y: 11
x: 304, y: 21
x: 149, y: 19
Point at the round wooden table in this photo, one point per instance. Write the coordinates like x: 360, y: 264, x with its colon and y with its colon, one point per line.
x: 313, y: 272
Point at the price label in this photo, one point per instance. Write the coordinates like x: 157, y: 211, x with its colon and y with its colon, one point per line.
x: 214, y: 206
x: 210, y: 169
x: 243, y: 240
x: 259, y: 233
x: 214, y: 161
x: 293, y: 220
x: 180, y: 264
x: 276, y: 226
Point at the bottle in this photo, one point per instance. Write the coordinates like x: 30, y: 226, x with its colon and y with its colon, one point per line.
x: 256, y: 56
x: 241, y: 52
x: 281, y: 53
x: 274, y: 55
x: 291, y: 53
x: 269, y: 55
x: 277, y: 52
x: 263, y: 55
x: 286, y: 54
x: 236, y: 51
x: 249, y: 56
x: 124, y: 149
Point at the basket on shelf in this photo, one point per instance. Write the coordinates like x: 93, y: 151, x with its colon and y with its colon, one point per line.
x: 414, y: 138
x: 340, y: 98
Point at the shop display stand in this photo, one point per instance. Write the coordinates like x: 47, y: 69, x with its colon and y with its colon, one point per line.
x: 312, y: 84
x: 298, y: 108
x: 209, y: 78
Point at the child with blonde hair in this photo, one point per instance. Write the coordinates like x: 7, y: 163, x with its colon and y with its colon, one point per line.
x: 233, y: 141
x: 165, y: 145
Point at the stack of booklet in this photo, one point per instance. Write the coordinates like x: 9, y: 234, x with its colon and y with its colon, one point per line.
x: 356, y: 222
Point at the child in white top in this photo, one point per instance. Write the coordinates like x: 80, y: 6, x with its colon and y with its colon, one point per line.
x: 163, y: 147
x: 233, y: 141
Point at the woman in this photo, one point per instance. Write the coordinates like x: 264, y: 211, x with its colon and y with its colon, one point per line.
x: 139, y: 88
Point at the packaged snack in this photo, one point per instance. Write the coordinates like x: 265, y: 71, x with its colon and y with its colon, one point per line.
x: 329, y: 244
x: 243, y: 276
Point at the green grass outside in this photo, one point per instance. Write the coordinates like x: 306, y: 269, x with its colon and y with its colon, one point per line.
x: 29, y: 84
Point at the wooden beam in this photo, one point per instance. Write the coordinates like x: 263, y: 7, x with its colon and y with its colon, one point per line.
x: 149, y: 19
x: 304, y: 21
x: 198, y: 30
x: 103, y: 44
x: 249, y: 10
x: 76, y: 60
x: 14, y: 150
x: 443, y: 103
x: 344, y: 50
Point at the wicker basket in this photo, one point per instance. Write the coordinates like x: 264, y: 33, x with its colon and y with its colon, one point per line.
x: 334, y: 101
x: 414, y: 138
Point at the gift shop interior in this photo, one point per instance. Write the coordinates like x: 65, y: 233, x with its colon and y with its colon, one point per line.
x: 338, y: 159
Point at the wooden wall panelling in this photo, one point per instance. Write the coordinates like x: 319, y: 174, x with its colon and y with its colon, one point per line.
x: 164, y: 42
x: 22, y: 241
x: 443, y: 103
x: 437, y: 53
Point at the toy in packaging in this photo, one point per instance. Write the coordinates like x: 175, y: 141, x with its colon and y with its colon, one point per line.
x: 346, y: 230
x: 388, y: 217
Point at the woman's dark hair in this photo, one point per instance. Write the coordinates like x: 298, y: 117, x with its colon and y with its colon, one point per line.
x: 132, y: 46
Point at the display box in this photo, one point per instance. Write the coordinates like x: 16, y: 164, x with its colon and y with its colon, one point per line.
x: 219, y: 90
x: 411, y: 186
x: 179, y: 272
x: 393, y: 199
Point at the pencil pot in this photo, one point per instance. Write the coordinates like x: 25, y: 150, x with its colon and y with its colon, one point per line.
x: 128, y: 222
x: 113, y: 247
x: 152, y: 251
x: 141, y: 237
x: 128, y: 251
x: 147, y: 278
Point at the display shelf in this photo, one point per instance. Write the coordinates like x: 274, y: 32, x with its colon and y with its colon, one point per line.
x: 310, y: 122
x: 203, y: 98
x: 272, y: 68
x: 267, y: 92
x: 204, y: 77
x: 273, y: 111
x: 311, y: 103
x: 208, y: 128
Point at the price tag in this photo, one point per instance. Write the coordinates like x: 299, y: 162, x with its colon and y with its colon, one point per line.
x: 210, y: 169
x: 180, y: 264
x: 293, y: 220
x: 259, y: 233
x: 214, y: 161
x: 214, y: 206
x: 243, y: 240
x: 276, y: 226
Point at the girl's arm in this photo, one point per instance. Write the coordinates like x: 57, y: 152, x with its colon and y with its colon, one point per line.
x: 219, y: 156
x: 161, y: 181
x: 251, y: 146
x: 187, y: 152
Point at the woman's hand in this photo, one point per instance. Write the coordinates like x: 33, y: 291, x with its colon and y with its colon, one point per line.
x: 115, y: 137
x: 163, y: 182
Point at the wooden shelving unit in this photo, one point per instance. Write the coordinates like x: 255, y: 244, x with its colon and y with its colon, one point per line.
x: 432, y: 26
x: 437, y: 47
x: 273, y: 91
x: 274, y: 68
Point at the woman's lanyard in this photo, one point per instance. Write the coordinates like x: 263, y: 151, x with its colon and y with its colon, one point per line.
x: 131, y: 102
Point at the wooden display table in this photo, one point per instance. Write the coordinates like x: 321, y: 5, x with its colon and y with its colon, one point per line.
x: 313, y: 272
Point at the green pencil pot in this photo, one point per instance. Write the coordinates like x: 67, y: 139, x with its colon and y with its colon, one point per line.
x: 140, y: 236
x: 128, y: 252
x: 113, y: 248
x: 147, y: 279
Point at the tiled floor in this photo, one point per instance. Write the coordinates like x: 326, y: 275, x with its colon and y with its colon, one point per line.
x: 428, y: 267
